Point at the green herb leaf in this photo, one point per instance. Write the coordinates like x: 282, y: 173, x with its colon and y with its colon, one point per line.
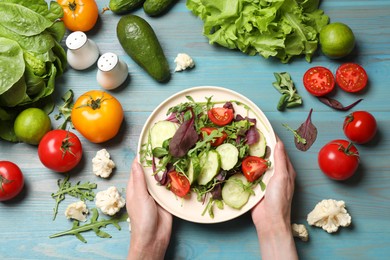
x: 94, y: 225
x: 82, y: 191
x: 65, y: 109
x: 285, y: 86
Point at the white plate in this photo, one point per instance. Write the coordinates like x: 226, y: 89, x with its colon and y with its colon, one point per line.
x: 191, y: 209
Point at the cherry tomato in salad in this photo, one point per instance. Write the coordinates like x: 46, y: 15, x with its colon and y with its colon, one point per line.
x: 338, y: 159
x: 319, y: 81
x: 97, y: 115
x: 351, y: 77
x: 360, y: 127
x: 11, y: 180
x: 253, y: 167
x: 220, y: 116
x: 60, y: 150
x: 179, y: 184
x: 219, y: 140
x: 79, y: 15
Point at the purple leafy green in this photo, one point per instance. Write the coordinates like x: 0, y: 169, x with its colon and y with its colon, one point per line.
x: 333, y: 103
x: 305, y: 135
x: 184, y: 139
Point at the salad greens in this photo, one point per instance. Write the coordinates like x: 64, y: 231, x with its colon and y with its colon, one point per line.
x: 285, y: 86
x: 94, y: 225
x: 31, y: 57
x: 271, y: 28
x: 83, y: 191
x: 188, y: 157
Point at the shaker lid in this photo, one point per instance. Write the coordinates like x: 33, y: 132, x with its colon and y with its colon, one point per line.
x: 107, y: 61
x: 76, y: 40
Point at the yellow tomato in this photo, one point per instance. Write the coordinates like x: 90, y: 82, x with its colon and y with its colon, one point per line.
x: 97, y: 115
x: 79, y: 15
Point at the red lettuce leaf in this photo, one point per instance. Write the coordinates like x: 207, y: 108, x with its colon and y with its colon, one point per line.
x: 184, y: 139
x: 308, y: 131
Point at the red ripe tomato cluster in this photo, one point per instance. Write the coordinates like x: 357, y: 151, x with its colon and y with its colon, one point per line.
x: 339, y: 159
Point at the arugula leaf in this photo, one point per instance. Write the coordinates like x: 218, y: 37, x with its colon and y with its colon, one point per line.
x: 285, y: 86
x: 94, y: 225
x: 65, y: 110
x: 82, y: 191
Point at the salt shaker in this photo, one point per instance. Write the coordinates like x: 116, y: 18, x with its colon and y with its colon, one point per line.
x: 112, y: 72
x: 82, y: 52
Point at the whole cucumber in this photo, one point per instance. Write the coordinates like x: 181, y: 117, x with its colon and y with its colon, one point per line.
x: 157, y: 7
x: 124, y: 6
x: 140, y: 42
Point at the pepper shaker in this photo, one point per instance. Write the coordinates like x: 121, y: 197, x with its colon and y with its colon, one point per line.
x: 112, y: 72
x: 82, y: 52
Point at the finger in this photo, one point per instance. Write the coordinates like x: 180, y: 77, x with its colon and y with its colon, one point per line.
x: 137, y: 182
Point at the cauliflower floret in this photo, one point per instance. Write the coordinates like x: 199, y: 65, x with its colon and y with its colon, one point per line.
x: 102, y: 165
x: 77, y: 210
x: 183, y: 62
x: 109, y: 201
x: 300, y: 231
x: 329, y: 214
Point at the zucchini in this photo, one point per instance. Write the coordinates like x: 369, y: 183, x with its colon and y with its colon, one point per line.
x: 229, y: 156
x: 124, y: 6
x: 157, y: 7
x: 161, y: 131
x: 211, y: 164
x: 234, y: 192
x: 258, y: 149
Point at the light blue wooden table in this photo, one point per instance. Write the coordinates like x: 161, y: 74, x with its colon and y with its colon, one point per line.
x: 26, y: 222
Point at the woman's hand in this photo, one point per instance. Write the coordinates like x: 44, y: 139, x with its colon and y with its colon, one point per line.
x: 272, y: 215
x: 151, y: 225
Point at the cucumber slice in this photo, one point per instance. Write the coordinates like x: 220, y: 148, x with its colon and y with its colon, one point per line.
x: 161, y: 131
x: 211, y: 164
x: 233, y: 192
x: 193, y: 170
x: 258, y: 149
x: 229, y: 156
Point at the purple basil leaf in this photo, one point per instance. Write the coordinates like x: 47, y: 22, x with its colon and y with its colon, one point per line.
x: 308, y: 131
x: 216, y: 192
x: 229, y: 105
x: 333, y: 103
x: 184, y: 139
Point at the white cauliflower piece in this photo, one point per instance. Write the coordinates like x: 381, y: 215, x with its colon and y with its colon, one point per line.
x: 330, y: 215
x: 109, y: 201
x: 300, y: 231
x: 183, y: 61
x: 77, y: 210
x: 102, y: 165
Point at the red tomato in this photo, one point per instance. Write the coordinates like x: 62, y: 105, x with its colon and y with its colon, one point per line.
x: 11, y: 180
x: 60, y: 150
x: 179, y: 185
x: 351, y: 77
x: 318, y: 81
x: 338, y: 159
x: 253, y: 167
x: 219, y: 140
x: 220, y: 116
x: 360, y: 127
x: 79, y: 15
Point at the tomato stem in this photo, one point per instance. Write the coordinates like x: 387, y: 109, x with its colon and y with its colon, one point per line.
x: 4, y: 180
x: 72, y: 5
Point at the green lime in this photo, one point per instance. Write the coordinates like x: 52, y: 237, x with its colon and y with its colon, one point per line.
x: 31, y: 125
x: 337, y: 40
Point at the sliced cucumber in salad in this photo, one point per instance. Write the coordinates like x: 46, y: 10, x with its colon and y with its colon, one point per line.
x: 211, y: 164
x: 258, y: 149
x: 161, y: 131
x: 234, y: 192
x: 229, y: 156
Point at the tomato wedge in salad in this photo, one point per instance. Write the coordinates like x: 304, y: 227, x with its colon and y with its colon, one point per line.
x: 351, y: 77
x: 318, y: 81
x: 253, y: 167
x: 219, y: 140
x: 179, y: 184
x: 220, y: 116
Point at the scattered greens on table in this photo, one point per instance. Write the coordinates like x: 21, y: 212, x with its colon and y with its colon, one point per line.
x: 94, y: 225
x: 270, y: 28
x: 31, y: 57
x: 285, y: 86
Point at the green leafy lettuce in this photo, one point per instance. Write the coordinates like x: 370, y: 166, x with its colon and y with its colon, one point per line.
x: 271, y: 28
x: 31, y: 57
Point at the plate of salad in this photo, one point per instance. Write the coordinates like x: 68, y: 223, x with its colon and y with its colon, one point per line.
x: 207, y: 153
